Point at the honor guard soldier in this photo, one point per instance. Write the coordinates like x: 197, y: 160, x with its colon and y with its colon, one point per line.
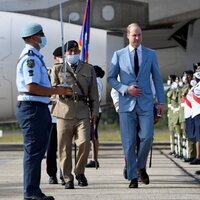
x: 170, y: 82
x: 190, y: 143
x: 74, y: 113
x: 32, y: 108
x: 175, y: 116
x: 196, y: 116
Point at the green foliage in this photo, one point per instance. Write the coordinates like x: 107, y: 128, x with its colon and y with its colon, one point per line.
x: 9, y: 126
x: 109, y: 116
x: 108, y: 128
x: 11, y: 138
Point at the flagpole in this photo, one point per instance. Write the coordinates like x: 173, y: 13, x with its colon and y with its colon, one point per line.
x: 62, y: 43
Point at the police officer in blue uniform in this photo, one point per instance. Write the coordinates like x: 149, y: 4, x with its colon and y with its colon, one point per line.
x: 32, y: 110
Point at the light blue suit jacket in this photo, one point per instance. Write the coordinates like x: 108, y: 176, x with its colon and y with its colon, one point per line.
x: 121, y: 66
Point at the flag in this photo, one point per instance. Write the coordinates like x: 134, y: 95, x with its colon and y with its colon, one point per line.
x: 85, y: 33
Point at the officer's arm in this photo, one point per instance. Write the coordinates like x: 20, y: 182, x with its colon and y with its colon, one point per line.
x: 93, y: 95
x: 34, y: 88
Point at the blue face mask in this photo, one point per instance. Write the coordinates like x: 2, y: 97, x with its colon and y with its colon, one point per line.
x: 72, y: 59
x: 43, y: 42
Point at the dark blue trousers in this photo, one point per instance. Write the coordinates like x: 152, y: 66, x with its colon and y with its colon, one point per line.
x: 52, y: 152
x: 35, y: 122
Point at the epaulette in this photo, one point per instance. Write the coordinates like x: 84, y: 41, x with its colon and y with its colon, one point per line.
x: 31, y: 53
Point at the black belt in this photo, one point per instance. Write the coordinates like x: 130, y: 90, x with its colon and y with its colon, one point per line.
x: 76, y: 97
x: 29, y: 93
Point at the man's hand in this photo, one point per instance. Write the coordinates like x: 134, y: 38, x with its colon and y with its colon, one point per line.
x: 134, y: 90
x: 160, y: 109
x: 64, y: 90
x: 93, y: 119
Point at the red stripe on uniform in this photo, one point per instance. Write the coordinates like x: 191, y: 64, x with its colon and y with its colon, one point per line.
x: 188, y: 103
x: 183, y: 99
x: 197, y: 99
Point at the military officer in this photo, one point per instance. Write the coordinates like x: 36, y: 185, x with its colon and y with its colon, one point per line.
x: 32, y: 108
x: 74, y: 113
x: 51, y: 155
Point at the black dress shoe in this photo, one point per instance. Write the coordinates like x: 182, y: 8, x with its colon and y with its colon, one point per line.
x: 125, y: 172
x: 53, y: 180
x: 62, y: 180
x: 188, y: 159
x: 41, y: 197
x: 82, y: 181
x: 195, y: 162
x: 144, y: 176
x: 69, y: 185
x: 197, y: 172
x: 133, y: 183
x: 92, y: 164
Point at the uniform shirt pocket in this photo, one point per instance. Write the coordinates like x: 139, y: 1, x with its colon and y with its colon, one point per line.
x: 85, y: 78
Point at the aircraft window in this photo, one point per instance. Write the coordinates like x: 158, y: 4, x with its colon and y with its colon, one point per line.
x: 108, y: 13
x: 74, y: 16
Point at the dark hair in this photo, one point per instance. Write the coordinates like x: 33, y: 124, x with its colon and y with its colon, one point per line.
x: 189, y: 72
x: 173, y: 77
x: 99, y: 71
x: 195, y: 66
x: 58, y: 52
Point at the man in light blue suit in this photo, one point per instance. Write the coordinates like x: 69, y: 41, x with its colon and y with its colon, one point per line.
x: 135, y: 65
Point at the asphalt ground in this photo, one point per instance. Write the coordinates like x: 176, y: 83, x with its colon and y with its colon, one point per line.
x: 170, y: 178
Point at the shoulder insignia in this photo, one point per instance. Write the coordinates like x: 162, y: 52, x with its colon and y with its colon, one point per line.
x: 31, y: 53
x: 30, y: 63
x: 30, y: 72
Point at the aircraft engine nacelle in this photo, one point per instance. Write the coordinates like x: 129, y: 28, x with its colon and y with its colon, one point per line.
x: 12, y: 44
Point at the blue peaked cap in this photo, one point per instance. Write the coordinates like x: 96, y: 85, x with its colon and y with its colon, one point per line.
x: 31, y: 29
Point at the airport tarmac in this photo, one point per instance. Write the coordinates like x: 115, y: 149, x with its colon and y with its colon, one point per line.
x: 170, y: 178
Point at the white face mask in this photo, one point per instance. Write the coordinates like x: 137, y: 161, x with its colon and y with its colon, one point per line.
x: 180, y: 84
x: 168, y: 82
x: 72, y: 59
x: 193, y: 83
x: 184, y: 79
x: 43, y: 42
x: 174, y: 85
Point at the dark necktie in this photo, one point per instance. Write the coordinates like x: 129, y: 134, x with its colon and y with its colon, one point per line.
x: 136, y: 63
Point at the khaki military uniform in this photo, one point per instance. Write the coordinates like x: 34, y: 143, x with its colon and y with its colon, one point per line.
x: 175, y: 120
x: 73, y: 116
x: 170, y: 119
